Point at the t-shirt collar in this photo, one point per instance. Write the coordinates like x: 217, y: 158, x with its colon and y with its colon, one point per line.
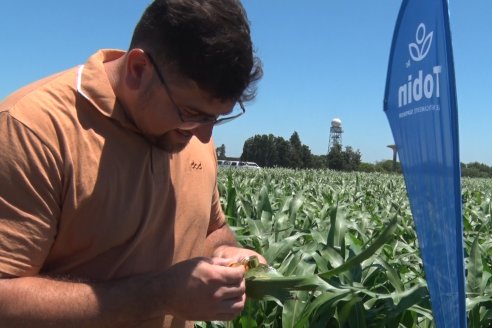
x: 93, y: 84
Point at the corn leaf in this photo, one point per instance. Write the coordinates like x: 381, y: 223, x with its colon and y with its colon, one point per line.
x: 366, y: 253
x: 265, y: 281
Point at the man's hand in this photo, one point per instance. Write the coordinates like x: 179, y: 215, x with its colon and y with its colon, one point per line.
x: 222, y: 243
x: 236, y: 254
x: 205, y: 289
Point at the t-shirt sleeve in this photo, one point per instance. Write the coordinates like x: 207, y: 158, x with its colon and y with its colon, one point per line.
x: 30, y: 197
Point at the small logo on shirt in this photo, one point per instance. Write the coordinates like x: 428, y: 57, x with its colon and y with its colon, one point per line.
x: 196, y: 165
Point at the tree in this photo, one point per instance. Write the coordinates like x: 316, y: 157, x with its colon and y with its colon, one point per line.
x: 335, y: 158
x: 283, y: 152
x: 295, y: 151
x: 306, y: 157
x: 351, y: 159
x: 272, y: 155
x: 367, y: 167
x: 387, y: 166
x: 221, y: 152
x: 271, y: 151
x: 348, y: 160
x: 319, y: 162
x: 260, y: 149
x: 476, y: 170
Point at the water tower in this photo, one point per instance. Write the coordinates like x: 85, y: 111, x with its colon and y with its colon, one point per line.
x: 395, y: 153
x: 335, y: 133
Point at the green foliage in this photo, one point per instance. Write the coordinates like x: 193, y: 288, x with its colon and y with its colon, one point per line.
x: 335, y: 158
x: 476, y: 170
x: 221, y: 152
x: 318, y: 161
x: 387, y: 166
x: 343, y: 160
x: 367, y: 167
x: 271, y: 151
x: 266, y: 150
x: 296, y: 152
x: 356, y: 231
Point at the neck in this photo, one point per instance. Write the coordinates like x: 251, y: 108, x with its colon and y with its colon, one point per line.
x: 114, y: 72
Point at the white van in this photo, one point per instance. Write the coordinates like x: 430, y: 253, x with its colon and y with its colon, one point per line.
x: 238, y: 164
x: 249, y: 165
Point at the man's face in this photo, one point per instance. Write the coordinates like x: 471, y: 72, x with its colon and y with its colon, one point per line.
x: 169, y: 114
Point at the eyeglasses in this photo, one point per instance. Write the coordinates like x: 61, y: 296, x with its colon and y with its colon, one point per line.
x: 193, y: 118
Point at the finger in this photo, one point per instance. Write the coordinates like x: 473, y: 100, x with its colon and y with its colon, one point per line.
x: 235, y: 305
x: 228, y: 267
x: 232, y: 276
x: 222, y: 261
x: 240, y: 284
x: 230, y: 308
x: 230, y: 292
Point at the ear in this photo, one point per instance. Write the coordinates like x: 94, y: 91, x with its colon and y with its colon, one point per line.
x: 138, y: 69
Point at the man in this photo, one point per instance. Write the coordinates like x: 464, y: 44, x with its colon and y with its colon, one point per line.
x: 109, y: 209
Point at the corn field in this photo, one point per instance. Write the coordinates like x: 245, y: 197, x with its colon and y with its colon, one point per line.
x: 354, y: 230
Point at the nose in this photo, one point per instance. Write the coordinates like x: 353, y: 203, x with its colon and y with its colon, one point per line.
x: 204, y: 132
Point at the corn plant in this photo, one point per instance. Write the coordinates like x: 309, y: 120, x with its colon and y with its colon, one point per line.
x: 343, y: 250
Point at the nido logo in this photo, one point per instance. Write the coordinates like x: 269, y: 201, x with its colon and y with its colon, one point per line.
x: 423, y: 86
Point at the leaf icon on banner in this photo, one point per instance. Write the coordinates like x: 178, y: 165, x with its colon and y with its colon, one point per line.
x: 419, y: 50
x: 414, y: 51
x: 426, y: 45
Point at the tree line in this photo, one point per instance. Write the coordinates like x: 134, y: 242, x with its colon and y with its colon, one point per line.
x: 273, y: 151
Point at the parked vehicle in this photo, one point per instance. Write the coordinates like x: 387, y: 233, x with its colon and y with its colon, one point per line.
x: 249, y: 165
x: 238, y: 164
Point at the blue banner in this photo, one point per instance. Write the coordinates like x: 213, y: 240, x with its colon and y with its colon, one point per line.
x: 420, y: 103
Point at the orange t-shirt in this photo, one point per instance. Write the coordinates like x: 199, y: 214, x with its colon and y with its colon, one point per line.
x: 83, y: 194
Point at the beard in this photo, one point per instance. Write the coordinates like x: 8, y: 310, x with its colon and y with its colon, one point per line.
x: 171, y: 142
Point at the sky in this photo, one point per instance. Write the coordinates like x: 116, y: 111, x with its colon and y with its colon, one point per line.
x: 322, y: 59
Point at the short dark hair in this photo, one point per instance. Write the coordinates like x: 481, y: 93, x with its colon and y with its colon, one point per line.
x: 207, y: 41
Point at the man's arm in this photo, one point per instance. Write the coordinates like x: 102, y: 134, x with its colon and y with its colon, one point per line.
x: 197, y: 289
x: 36, y: 301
